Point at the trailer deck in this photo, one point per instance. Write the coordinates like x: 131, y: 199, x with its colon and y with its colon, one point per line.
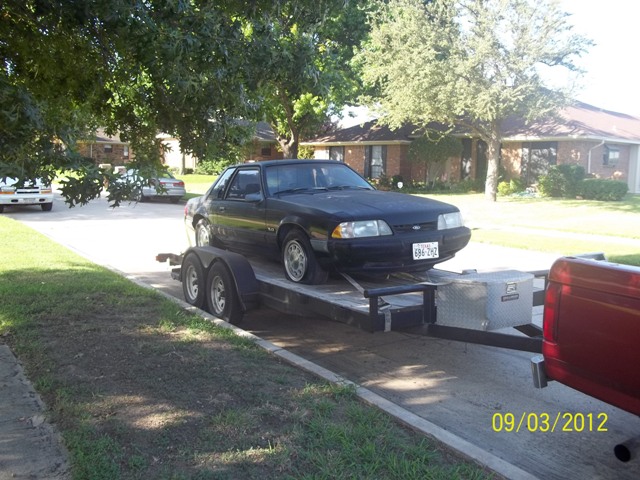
x: 466, y: 306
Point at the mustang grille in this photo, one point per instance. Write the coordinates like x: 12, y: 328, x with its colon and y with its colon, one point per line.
x: 413, y: 227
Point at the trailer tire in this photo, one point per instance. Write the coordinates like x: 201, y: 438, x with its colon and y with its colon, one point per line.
x: 222, y: 296
x: 193, y: 281
x: 299, y: 260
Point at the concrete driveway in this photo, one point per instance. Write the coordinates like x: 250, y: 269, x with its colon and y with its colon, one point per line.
x: 472, y: 391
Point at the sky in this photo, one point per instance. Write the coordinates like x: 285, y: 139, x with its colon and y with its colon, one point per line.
x: 612, y: 64
x: 612, y: 81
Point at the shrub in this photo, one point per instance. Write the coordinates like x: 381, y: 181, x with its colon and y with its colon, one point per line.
x: 602, y: 189
x: 468, y: 185
x: 509, y: 188
x: 561, y: 180
x: 213, y: 167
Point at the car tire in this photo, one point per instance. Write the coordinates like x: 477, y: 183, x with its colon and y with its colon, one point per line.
x: 46, y: 207
x: 203, y: 233
x: 1, y: 208
x: 174, y: 199
x: 299, y: 261
x: 222, y: 296
x: 193, y: 281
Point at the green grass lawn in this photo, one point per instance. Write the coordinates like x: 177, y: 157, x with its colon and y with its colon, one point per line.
x: 197, y: 184
x: 141, y: 389
x: 539, y: 224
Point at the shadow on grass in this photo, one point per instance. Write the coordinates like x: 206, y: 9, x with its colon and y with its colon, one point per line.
x: 142, y: 389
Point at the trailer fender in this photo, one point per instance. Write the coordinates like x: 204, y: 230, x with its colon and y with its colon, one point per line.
x: 242, y: 274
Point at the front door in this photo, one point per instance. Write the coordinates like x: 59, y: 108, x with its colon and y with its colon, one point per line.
x: 240, y: 215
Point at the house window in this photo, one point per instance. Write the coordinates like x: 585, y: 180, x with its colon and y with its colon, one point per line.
x: 108, y: 148
x: 376, y: 161
x: 336, y: 153
x: 125, y: 151
x: 610, y: 156
x: 265, y: 151
x: 537, y: 157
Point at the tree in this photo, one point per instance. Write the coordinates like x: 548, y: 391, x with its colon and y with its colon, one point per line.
x: 305, y: 60
x: 433, y: 153
x: 189, y: 68
x: 468, y: 63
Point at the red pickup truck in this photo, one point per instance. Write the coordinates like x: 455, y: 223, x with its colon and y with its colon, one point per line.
x: 591, y: 332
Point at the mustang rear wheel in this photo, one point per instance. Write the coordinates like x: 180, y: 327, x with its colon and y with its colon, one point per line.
x: 299, y: 261
x: 222, y: 297
x: 203, y: 233
x: 193, y: 281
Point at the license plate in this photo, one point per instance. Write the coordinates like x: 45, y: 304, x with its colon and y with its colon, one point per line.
x: 425, y: 250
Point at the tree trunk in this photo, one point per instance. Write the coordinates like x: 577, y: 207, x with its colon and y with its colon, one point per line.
x: 289, y: 145
x: 289, y: 148
x: 493, y: 159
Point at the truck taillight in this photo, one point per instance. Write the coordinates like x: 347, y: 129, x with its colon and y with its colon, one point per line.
x: 551, y: 310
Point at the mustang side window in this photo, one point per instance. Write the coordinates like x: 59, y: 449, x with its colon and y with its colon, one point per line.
x: 245, y: 186
x: 221, y: 184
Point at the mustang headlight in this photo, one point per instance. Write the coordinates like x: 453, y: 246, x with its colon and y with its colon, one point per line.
x: 363, y: 228
x: 450, y: 220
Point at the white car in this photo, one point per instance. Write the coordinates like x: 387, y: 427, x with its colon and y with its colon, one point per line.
x: 30, y: 193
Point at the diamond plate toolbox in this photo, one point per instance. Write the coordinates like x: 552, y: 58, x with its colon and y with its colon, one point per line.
x: 484, y: 301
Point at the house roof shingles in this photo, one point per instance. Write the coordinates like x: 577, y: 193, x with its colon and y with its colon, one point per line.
x: 579, y: 121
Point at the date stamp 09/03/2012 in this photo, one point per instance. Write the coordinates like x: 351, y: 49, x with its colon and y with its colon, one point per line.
x: 549, y: 422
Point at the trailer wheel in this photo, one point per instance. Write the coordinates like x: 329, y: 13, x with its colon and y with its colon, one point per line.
x: 193, y: 281
x: 300, y: 263
x: 222, y: 297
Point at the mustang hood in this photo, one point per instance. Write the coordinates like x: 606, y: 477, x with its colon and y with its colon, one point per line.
x: 371, y: 204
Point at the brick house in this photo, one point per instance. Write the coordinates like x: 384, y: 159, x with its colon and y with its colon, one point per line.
x: 105, y: 149
x: 263, y: 146
x: 605, y: 143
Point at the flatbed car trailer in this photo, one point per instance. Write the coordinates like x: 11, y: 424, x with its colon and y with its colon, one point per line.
x: 468, y: 306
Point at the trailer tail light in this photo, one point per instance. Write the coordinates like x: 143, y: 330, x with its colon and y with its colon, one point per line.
x: 551, y: 312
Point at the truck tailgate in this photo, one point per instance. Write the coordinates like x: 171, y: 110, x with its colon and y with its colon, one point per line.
x: 592, y: 330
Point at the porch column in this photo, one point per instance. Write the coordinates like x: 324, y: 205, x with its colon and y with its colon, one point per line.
x: 634, y: 169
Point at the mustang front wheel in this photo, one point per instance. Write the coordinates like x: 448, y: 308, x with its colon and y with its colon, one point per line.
x: 300, y: 263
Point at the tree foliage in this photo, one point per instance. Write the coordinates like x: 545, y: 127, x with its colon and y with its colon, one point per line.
x: 434, y: 153
x: 188, y: 68
x: 306, y: 60
x: 468, y: 63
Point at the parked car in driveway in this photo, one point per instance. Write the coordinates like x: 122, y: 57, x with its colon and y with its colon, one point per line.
x: 29, y: 192
x: 320, y: 215
x: 161, y: 184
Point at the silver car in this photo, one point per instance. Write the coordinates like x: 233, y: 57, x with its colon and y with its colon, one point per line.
x: 161, y: 185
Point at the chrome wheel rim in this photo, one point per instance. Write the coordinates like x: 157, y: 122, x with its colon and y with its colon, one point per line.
x: 295, y: 261
x: 202, y: 237
x: 191, y: 282
x: 218, y: 295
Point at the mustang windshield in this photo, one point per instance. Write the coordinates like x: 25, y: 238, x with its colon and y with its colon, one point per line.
x: 294, y: 178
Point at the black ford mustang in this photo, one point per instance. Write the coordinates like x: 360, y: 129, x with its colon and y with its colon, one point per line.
x: 318, y: 215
